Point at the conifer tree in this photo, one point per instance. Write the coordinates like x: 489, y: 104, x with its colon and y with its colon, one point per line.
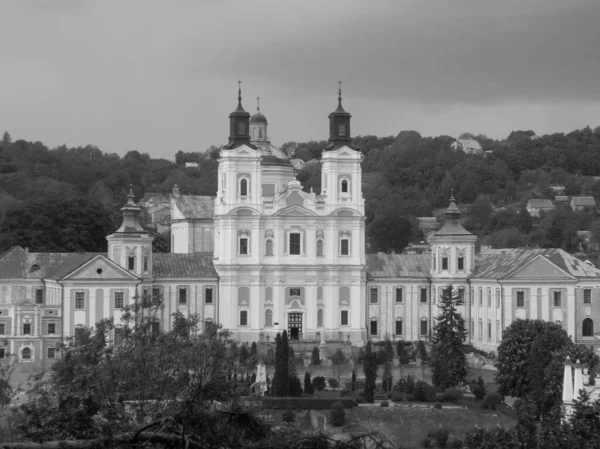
x: 308, y: 387
x: 315, y: 358
x: 448, y: 360
x: 389, y: 349
x: 370, y: 370
x: 281, y: 376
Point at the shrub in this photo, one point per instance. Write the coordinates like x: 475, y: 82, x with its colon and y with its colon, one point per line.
x: 426, y: 443
x: 337, y: 414
x: 437, y: 405
x: 410, y: 397
x: 491, y: 400
x: 423, y: 391
x: 456, y: 444
x: 410, y: 385
x: 453, y: 394
x: 440, y: 436
x: 440, y: 397
x: 359, y: 399
x: 382, y: 356
x: 319, y: 383
x: 304, y: 403
x: 346, y: 392
x: 288, y: 417
x: 385, y: 404
x: 478, y: 388
x: 397, y: 397
x: 333, y: 383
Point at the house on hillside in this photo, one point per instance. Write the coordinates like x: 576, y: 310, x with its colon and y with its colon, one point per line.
x: 582, y: 202
x: 558, y: 189
x: 561, y: 199
x: 469, y: 146
x: 536, y: 206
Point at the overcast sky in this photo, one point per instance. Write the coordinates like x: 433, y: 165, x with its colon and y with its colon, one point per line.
x: 161, y: 76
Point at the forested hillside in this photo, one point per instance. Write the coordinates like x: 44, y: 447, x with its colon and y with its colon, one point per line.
x: 67, y: 199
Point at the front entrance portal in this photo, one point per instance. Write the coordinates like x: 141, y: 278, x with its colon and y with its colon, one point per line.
x: 295, y: 325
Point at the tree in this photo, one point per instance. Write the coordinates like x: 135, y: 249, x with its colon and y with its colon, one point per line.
x: 315, y: 358
x: 281, y: 377
x: 308, y: 387
x: 530, y: 358
x: 338, y: 360
x: 391, y: 231
x: 448, y: 360
x: 370, y: 370
x: 389, y: 349
x: 243, y: 354
x: 388, y: 380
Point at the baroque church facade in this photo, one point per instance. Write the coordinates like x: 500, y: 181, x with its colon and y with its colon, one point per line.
x: 264, y: 256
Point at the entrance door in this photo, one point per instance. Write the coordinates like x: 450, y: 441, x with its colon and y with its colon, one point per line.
x: 294, y: 325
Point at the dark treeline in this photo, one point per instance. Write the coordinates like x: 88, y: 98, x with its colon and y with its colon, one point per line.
x: 404, y: 177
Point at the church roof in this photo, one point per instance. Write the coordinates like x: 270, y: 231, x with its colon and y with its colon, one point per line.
x: 258, y: 117
x: 196, y: 206
x: 397, y: 265
x: 18, y: 263
x: 497, y: 263
x: 183, y: 265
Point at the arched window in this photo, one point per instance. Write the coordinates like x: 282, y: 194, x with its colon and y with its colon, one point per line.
x: 269, y: 248
x: 26, y: 354
x: 588, y: 327
x: 319, y: 247
x: 243, y: 187
x: 344, y: 186
x: 268, y: 317
x: 320, y: 318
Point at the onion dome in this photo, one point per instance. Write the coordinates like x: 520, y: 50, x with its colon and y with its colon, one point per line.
x: 257, y: 118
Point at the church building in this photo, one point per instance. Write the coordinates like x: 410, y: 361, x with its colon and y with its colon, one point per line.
x: 263, y: 256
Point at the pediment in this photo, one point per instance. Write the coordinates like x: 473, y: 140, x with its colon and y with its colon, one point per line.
x: 100, y: 268
x: 295, y: 211
x: 27, y: 304
x: 540, y: 268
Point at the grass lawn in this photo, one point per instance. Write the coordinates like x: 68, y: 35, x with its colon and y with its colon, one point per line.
x: 409, y: 426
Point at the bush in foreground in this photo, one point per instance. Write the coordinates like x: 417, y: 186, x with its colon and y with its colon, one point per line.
x: 453, y: 394
x: 491, y: 400
x: 288, y: 417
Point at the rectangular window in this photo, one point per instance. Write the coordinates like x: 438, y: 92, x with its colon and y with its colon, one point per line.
x: 243, y: 317
x: 208, y: 296
x: 399, y: 297
x: 520, y: 299
x: 424, y: 328
x: 472, y: 330
x: 480, y: 296
x: 489, y: 295
x: 183, y: 296
x: 155, y: 328
x: 51, y: 328
x: 480, y: 331
x: 295, y: 243
x: 244, y: 246
x: 498, y: 299
x: 373, y: 328
x: 51, y: 353
x: 373, y: 295
x: 399, y: 327
x: 444, y: 263
x: 557, y: 299
x: 489, y: 331
x: 79, y: 300
x: 345, y: 248
x: 461, y: 294
x: 2, y: 328
x: 587, y: 296
x: 344, y: 318
x: 145, y: 263
x: 39, y: 296
x: 131, y: 263
x: 461, y: 263
x: 2, y: 353
x: 27, y: 329
x: 119, y: 336
x: 295, y: 291
x: 156, y: 294
x: 119, y: 299
x: 423, y: 295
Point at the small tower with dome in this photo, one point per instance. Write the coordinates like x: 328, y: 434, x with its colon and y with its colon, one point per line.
x: 258, y: 127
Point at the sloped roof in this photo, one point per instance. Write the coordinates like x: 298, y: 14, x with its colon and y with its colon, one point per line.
x: 154, y: 198
x: 184, y: 265
x: 496, y: 263
x: 427, y: 223
x: 19, y: 263
x: 196, y: 206
x: 584, y: 201
x: 397, y: 265
x: 540, y: 203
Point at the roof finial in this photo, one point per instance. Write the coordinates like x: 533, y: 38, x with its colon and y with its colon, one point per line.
x: 130, y: 194
x: 240, y: 91
x: 340, y: 92
x: 258, y: 104
x: 452, y: 199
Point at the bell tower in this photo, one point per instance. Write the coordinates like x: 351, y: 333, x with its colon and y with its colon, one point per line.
x: 339, y: 124
x: 239, y: 125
